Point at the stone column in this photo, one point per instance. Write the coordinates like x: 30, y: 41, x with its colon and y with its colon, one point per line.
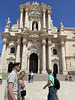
x: 28, y: 64
x: 43, y: 56
x: 2, y: 67
x: 44, y: 19
x: 26, y: 18
x: 63, y: 57
x: 49, y: 55
x: 39, y: 25
x: 18, y: 50
x: 38, y: 65
x: 24, y: 55
x: 21, y: 18
x: 30, y: 24
x: 49, y: 22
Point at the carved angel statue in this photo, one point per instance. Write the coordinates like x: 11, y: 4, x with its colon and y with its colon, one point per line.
x: 8, y: 22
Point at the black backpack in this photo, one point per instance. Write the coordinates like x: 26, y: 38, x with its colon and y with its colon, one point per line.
x: 56, y: 84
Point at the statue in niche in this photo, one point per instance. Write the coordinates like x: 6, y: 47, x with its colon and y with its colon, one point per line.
x: 8, y: 22
x: 34, y: 27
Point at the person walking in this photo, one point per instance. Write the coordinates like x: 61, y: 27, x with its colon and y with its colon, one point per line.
x: 21, y: 85
x: 32, y: 75
x: 29, y: 77
x: 50, y: 85
x: 11, y: 88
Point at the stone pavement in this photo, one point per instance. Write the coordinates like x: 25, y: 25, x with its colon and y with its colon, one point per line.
x: 35, y: 90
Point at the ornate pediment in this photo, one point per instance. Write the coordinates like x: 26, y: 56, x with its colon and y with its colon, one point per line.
x: 55, y: 59
x: 11, y: 58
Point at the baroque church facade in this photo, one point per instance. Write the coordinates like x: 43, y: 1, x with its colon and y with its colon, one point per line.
x: 36, y: 43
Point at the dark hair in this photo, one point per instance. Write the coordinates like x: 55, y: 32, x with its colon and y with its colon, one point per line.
x: 49, y: 71
x: 16, y: 64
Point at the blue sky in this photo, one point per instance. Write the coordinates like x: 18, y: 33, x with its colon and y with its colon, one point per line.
x: 62, y: 11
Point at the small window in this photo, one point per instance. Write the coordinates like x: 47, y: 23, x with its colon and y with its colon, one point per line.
x: 54, y: 52
x: 12, y: 50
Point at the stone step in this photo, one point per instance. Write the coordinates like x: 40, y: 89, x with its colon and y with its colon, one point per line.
x: 41, y: 77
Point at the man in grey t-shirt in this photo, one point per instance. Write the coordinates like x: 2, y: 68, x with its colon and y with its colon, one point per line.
x: 11, y: 89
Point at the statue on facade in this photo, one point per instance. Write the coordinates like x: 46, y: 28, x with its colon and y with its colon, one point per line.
x: 8, y: 22
x: 34, y: 27
x: 61, y: 25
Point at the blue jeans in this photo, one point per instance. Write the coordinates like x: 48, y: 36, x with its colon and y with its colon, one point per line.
x: 51, y: 93
x: 32, y: 79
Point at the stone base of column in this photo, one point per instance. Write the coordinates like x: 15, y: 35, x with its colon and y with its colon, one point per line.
x: 65, y: 72
x: 49, y: 32
x: 44, y: 71
x: 3, y: 71
x: 26, y: 71
x: 25, y: 28
x: 20, y: 30
x: 44, y: 29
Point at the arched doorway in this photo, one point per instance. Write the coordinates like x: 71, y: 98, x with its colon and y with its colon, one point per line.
x: 55, y: 68
x: 10, y: 67
x: 33, y: 66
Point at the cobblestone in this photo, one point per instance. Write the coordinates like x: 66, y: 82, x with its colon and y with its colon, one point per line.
x: 35, y: 90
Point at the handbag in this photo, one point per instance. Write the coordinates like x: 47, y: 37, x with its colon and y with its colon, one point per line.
x: 23, y: 93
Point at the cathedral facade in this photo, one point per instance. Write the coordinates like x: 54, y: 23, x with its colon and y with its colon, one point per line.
x: 36, y: 43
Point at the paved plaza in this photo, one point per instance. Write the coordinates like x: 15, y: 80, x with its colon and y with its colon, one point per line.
x: 35, y: 90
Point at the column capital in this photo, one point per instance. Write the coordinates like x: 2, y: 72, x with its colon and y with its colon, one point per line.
x: 48, y: 11
x: 4, y: 40
x: 18, y: 41
x: 62, y: 43
x: 44, y: 10
x: 26, y: 9
x: 24, y: 41
x: 43, y: 41
x: 49, y: 43
x: 21, y: 10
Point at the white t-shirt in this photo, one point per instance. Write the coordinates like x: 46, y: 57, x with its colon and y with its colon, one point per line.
x: 12, y: 77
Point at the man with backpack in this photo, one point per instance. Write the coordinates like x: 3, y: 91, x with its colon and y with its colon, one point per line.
x: 50, y: 85
x: 56, y: 85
